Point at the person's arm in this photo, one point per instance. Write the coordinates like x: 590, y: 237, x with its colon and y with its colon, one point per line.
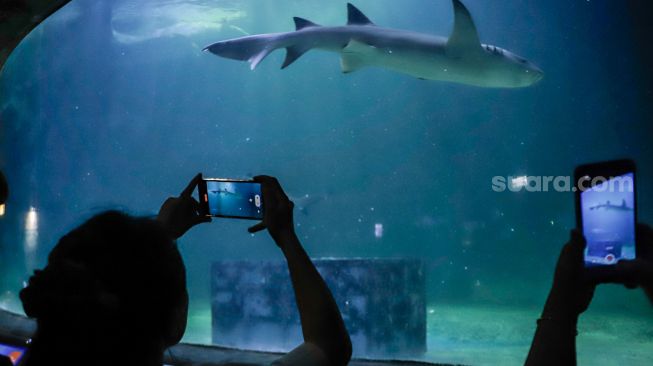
x: 177, y: 215
x: 326, y: 340
x: 554, y: 342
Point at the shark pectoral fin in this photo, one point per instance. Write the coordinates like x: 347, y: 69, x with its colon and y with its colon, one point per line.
x: 351, y: 62
x: 355, y: 56
x: 257, y: 58
x: 464, y: 37
x: 292, y: 54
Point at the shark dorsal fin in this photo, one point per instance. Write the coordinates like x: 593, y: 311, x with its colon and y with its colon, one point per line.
x: 356, y: 17
x: 464, y: 36
x: 301, y: 23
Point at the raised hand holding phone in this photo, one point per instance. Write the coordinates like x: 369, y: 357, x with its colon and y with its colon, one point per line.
x: 601, y: 249
x: 639, y: 271
x: 179, y: 214
x: 278, y: 215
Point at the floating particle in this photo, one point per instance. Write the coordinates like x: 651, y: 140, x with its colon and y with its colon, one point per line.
x: 378, y: 230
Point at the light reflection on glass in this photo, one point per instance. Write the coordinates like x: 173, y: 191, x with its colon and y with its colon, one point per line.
x: 31, y: 237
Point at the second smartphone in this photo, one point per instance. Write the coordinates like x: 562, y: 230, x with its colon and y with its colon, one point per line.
x: 241, y: 199
x: 606, y: 211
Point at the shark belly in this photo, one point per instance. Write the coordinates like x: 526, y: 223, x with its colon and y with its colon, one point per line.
x: 437, y: 68
x: 422, y: 58
x: 417, y: 64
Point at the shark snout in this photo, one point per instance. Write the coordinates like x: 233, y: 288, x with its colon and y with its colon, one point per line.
x: 537, y: 73
x: 531, y: 75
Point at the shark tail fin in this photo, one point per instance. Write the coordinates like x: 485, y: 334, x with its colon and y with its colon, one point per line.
x: 257, y: 58
x: 252, y: 49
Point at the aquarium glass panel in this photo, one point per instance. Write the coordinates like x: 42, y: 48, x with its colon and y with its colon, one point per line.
x: 428, y: 149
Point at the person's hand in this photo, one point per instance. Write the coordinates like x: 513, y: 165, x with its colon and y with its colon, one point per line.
x: 179, y: 214
x: 277, y: 210
x: 571, y: 292
x: 638, y: 272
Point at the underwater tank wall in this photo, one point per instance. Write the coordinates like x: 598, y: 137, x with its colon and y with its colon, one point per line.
x: 114, y: 104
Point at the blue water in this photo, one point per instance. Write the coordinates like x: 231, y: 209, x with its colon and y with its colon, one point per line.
x: 114, y: 105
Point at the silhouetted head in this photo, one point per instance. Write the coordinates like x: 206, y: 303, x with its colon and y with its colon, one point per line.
x: 510, y: 70
x: 113, y: 283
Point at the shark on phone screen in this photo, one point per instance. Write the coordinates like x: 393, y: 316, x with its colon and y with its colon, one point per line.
x: 611, y: 207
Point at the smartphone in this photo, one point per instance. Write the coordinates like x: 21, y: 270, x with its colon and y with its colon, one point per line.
x: 13, y: 352
x: 241, y: 199
x: 606, y: 211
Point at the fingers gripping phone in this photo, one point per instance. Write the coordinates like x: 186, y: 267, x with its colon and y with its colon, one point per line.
x: 606, y: 211
x: 231, y: 198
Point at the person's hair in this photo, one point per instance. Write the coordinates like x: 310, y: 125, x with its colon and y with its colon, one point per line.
x: 115, y: 276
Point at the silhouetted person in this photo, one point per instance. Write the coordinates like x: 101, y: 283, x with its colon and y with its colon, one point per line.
x: 554, y: 342
x: 114, y: 289
x: 113, y: 293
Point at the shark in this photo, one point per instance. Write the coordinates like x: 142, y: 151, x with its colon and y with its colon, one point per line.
x: 461, y: 58
x: 226, y: 192
x: 610, y: 207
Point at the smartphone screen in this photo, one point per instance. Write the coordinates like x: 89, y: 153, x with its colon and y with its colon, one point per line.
x: 608, y: 220
x: 14, y: 353
x: 232, y: 198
